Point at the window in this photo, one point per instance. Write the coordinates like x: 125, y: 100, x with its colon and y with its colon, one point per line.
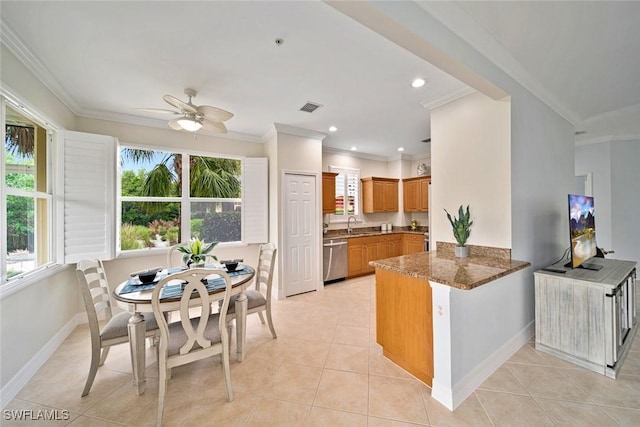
x: 169, y: 197
x: 347, y: 192
x: 26, y: 201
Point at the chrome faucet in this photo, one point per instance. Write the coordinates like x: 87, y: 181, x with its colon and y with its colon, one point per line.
x: 349, y: 223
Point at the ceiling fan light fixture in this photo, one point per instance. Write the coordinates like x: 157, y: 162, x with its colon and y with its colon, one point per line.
x: 190, y: 124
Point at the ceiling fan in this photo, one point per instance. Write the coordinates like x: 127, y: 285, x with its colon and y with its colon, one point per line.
x: 193, y: 117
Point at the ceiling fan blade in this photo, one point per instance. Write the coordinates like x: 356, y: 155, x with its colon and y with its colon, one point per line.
x: 173, y: 124
x: 214, y: 113
x: 181, y: 105
x: 214, y: 126
x: 157, y: 110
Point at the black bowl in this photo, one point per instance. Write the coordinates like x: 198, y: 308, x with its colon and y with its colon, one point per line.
x: 232, y: 264
x: 148, y: 276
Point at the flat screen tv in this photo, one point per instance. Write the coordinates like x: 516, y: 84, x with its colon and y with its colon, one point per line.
x: 582, y: 231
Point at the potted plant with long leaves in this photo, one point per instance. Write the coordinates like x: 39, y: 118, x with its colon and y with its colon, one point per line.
x: 196, y: 252
x: 461, y: 230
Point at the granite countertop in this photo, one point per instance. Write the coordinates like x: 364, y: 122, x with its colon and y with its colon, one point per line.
x: 445, y: 268
x: 371, y: 231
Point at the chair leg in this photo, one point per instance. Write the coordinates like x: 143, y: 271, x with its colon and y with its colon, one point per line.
x: 270, y: 320
x: 103, y: 357
x: 261, y: 317
x: 93, y: 368
x: 162, y: 389
x: 229, y: 336
x: 225, y: 367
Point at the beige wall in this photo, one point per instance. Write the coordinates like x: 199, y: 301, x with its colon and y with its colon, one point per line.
x: 472, y: 166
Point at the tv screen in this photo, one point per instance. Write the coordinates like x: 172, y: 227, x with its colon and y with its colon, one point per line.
x: 582, y: 229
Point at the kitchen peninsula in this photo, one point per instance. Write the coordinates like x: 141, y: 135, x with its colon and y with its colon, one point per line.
x: 432, y: 308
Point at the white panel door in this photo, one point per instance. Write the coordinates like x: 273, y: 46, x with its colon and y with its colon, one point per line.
x: 300, y: 257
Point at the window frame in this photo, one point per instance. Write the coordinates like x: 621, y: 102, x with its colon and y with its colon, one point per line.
x: 9, y: 285
x: 185, y: 199
x: 333, y: 218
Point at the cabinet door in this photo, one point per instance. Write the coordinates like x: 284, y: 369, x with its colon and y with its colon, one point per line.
x: 411, y: 195
x: 328, y: 192
x: 384, y: 250
x: 423, y: 188
x: 378, y: 196
x: 396, y: 245
x: 390, y: 197
x: 370, y: 254
x: 355, y: 260
x: 413, y: 243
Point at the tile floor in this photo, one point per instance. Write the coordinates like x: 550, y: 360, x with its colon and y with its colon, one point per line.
x: 325, y: 369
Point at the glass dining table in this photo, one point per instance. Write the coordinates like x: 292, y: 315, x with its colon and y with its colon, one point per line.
x: 135, y: 297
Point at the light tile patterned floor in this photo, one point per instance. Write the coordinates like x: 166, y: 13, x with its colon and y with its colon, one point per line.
x: 325, y: 369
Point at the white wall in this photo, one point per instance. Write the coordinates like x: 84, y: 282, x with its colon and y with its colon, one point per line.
x: 471, y: 165
x: 295, y: 153
x: 614, y: 167
x: 625, y: 199
x: 51, y: 302
x: 596, y: 158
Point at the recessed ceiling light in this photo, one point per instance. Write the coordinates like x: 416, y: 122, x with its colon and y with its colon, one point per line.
x: 400, y: 148
x: 333, y: 129
x: 354, y: 148
x: 418, y: 83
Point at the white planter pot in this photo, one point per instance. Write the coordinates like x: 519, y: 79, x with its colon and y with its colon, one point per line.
x: 462, y: 251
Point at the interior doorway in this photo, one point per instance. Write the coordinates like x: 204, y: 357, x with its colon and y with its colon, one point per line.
x: 300, y: 234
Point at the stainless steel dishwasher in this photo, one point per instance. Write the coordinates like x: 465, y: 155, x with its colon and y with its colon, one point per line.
x: 334, y: 259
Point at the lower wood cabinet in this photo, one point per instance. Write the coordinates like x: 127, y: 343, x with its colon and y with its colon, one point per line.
x: 362, y: 250
x: 404, y: 322
x: 412, y: 243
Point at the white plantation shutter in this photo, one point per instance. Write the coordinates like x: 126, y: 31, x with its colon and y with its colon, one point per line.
x: 255, y: 200
x: 90, y: 199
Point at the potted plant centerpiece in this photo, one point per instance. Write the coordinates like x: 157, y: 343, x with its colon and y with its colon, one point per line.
x: 461, y: 230
x: 197, y: 252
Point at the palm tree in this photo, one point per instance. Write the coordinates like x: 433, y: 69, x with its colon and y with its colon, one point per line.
x: 20, y: 140
x: 209, y: 177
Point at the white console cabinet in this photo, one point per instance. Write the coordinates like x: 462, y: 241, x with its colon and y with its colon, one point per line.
x: 587, y: 317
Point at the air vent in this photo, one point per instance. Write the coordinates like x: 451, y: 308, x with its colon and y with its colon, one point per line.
x: 580, y: 132
x: 426, y: 140
x: 310, y: 107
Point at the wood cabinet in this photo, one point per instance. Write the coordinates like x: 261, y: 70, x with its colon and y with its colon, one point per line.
x: 415, y: 192
x: 329, y: 192
x: 587, y: 317
x: 395, y: 245
x: 362, y: 250
x: 404, y: 322
x: 379, y: 195
x: 412, y: 243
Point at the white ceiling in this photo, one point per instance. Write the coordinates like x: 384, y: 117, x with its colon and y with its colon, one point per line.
x: 104, y: 59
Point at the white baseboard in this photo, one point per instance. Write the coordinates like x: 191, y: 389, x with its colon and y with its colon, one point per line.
x: 451, y: 399
x: 19, y: 380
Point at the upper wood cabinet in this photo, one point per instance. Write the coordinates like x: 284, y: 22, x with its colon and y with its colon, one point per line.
x: 379, y: 195
x: 329, y: 192
x: 415, y: 193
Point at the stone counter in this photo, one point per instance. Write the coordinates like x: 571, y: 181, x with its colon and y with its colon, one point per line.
x: 443, y: 267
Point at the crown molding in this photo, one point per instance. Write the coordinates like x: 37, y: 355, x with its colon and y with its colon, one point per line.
x: 607, y: 138
x: 456, y: 19
x: 367, y: 156
x: 9, y: 38
x: 305, y: 133
x: 443, y: 100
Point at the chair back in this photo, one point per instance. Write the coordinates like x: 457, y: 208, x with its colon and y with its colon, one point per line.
x: 195, y: 339
x: 95, y: 292
x: 264, y: 270
x: 171, y: 259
